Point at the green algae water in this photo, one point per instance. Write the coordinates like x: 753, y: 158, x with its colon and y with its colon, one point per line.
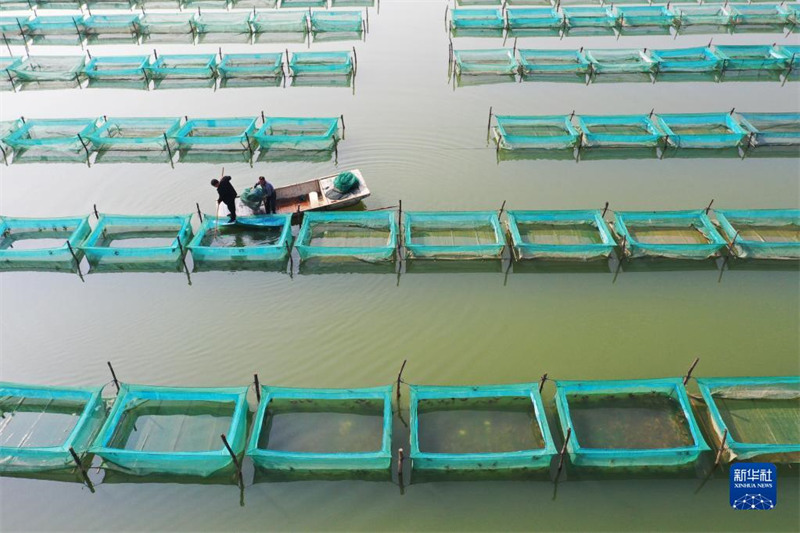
x: 418, y: 139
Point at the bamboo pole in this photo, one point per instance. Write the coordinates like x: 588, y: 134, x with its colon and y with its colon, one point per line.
x: 541, y: 382
x: 564, y: 450
x: 113, y: 376
x: 399, y: 380
x: 721, y: 447
x: 691, y: 369
x: 258, y: 387
x: 235, y: 460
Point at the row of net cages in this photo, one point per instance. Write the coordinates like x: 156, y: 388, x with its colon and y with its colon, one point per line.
x: 622, y: 426
x: 718, y: 63
x: 165, y: 139
x: 169, y: 71
x: 89, y: 5
x: 256, y: 239
x: 663, y: 19
x: 186, y: 27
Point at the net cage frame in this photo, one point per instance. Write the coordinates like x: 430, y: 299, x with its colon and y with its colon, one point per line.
x: 758, y: 14
x: 581, y: 456
x: 477, y: 18
x: 497, y: 61
x: 195, y: 67
x: 650, y: 137
x: 262, y: 65
x: 8, y: 64
x: 16, y: 5
x: 635, y: 248
x: 131, y: 68
x: 523, y: 250
x: 373, y: 219
x: 63, y: 253
x: 273, y: 252
x: 534, y: 18
x: 529, y: 65
x: 241, y: 141
x: 616, y: 60
x: 792, y: 54
x: 43, y: 458
x: 751, y: 57
x: 754, y: 122
x: 104, y: 254
x: 319, y: 461
x: 12, y: 28
x: 323, y: 133
x: 58, y: 4
x: 55, y: 25
x: 669, y: 60
x: 195, y: 463
x: 413, y: 219
x: 44, y: 68
x: 536, y: 458
x: 20, y: 140
x: 236, y: 22
x: 336, y: 22
x: 589, y: 17
x: 266, y: 22
x: 166, y: 24
x: 702, y: 15
x: 506, y: 141
x: 112, y: 4
x: 288, y: 4
x: 733, y: 449
x: 353, y: 3
x: 102, y: 140
x: 336, y: 63
x: 728, y: 220
x: 250, y: 4
x: 735, y: 136
x: 645, y: 16
x: 111, y: 24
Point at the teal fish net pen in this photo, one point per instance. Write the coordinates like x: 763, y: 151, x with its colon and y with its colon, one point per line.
x: 360, y: 3
x: 100, y: 28
x: 645, y: 16
x: 183, y: 66
x: 7, y: 127
x: 321, y: 63
x: 232, y: 22
x: 759, y: 417
x: 631, y: 423
x: 489, y: 427
x: 49, y: 68
x: 453, y: 235
x: 15, y: 5
x: 703, y: 16
x: 671, y: 234
x: 772, y: 129
x: 702, y: 130
x: 56, y: 139
x: 138, y: 134
x: 42, y: 240
x: 125, y: 239
x: 12, y: 29
x: 293, y: 133
x: 589, y: 17
x: 220, y: 134
x: 322, y: 429
x: 366, y: 236
x: 250, y: 66
x: 117, y: 68
x: 250, y: 4
x: 112, y: 4
x: 172, y: 430
x: 552, y: 62
x: 792, y: 55
x: 304, y: 3
x: 758, y: 15
x: 751, y: 58
x: 58, y: 4
x: 536, y: 132
x: 266, y: 22
x: 697, y: 59
x: 622, y: 131
x: 499, y: 61
x: 166, y: 26
x: 489, y: 19
x: 40, y: 424
x: 620, y: 61
x: 347, y: 22
x: 251, y: 238
x: 560, y: 235
x: 61, y: 29
x: 7, y: 63
x: 762, y: 233
x: 534, y: 18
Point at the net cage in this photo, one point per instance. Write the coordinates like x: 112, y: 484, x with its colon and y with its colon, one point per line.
x: 589, y: 17
x: 250, y: 4
x: 41, y: 424
x: 751, y: 57
x: 619, y: 131
x: 337, y: 22
x: 280, y: 22
x: 49, y: 68
x: 117, y: 68
x: 251, y: 66
x: 620, y: 61
x: 217, y: 134
x: 183, y: 66
x: 488, y: 427
x: 762, y: 233
x: 59, y: 4
x: 542, y: 62
x: 534, y: 18
x: 112, y: 26
x: 166, y: 24
x: 251, y: 238
x: 580, y: 235
x: 697, y: 59
x: 298, y: 133
x: 7, y: 64
x: 52, y: 137
x: 60, y: 29
x: 173, y: 430
x: 645, y: 16
x: 112, y: 4
x: 7, y: 127
x: 772, y: 129
x: 205, y: 4
x: 453, y: 235
x: 322, y: 429
x: 671, y: 234
x: 42, y: 240
x: 237, y: 22
x: 160, y: 4
x: 701, y: 15
x: 137, y: 239
x: 16, y: 5
x: 138, y: 134
x: 487, y: 19
x: 496, y: 61
x: 758, y: 15
x: 761, y: 416
x: 535, y: 132
x: 359, y: 3
x: 702, y: 130
x: 303, y: 3
x: 367, y: 236
x: 630, y: 423
x: 792, y: 55
x: 12, y: 29
x: 321, y: 63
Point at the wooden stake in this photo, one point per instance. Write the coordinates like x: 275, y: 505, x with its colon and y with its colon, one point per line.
x: 564, y: 450
x: 605, y: 209
x: 78, y: 462
x: 183, y: 253
x: 235, y: 459
x: 258, y: 387
x: 74, y: 256
x: 96, y: 215
x: 355, y: 61
x: 691, y: 369
x: 199, y: 213
x: 85, y: 148
x: 169, y: 152
x: 708, y: 207
x: 541, y: 382
x: 399, y: 379
x: 502, y: 208
x: 721, y: 447
x: 113, y: 376
x: 401, y: 456
x: 343, y: 126
x: 489, y: 125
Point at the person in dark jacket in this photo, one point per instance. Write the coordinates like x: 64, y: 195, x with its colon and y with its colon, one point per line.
x: 227, y: 195
x: 270, y: 196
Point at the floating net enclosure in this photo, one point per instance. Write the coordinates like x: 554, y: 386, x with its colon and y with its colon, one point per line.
x: 33, y: 241
x: 166, y: 27
x: 41, y: 424
x: 498, y: 61
x: 61, y: 29
x: 758, y: 15
x: 534, y: 18
x: 251, y: 238
x: 49, y: 69
x: 619, y: 131
x: 125, y: 239
x: 170, y: 430
x: 620, y: 61
x: 280, y: 23
x: 15, y: 5
x: 322, y: 429
x: 701, y: 18
x: 249, y: 4
x: 117, y: 68
x: 560, y: 235
x: 339, y: 23
x: 112, y: 4
x: 371, y: 3
x: 772, y: 129
x: 12, y: 29
x: 673, y: 234
x: 792, y: 55
x: 111, y: 28
x: 589, y: 17
x: 7, y: 64
x: 304, y: 3
x: 751, y: 58
x: 761, y: 416
x: 762, y: 233
x: 698, y: 59
x: 250, y: 66
x: 702, y: 130
x: 645, y: 16
x: 321, y: 63
x: 545, y: 62
x: 367, y: 236
x: 228, y: 24
x: 217, y: 135
x: 183, y: 66
x: 58, y: 4
x: 491, y: 427
x: 136, y: 134
x: 537, y: 132
x: 487, y: 19
x: 52, y: 139
x: 292, y: 133
x: 632, y: 423
x: 453, y: 235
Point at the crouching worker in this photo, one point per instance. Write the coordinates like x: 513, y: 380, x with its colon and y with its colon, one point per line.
x: 227, y: 195
x: 270, y: 196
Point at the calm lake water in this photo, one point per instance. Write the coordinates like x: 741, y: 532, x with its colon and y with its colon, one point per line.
x: 417, y: 139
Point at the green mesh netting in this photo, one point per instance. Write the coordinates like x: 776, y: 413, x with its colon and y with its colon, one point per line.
x: 687, y: 16
x: 183, y: 66
x: 13, y: 29
x: 216, y: 134
x: 620, y: 61
x: 646, y: 16
x: 25, y: 240
x: 345, y: 182
x: 772, y: 129
x: 124, y: 68
x: 762, y: 233
x: 131, y: 239
x: 251, y: 238
x: 337, y: 22
x: 498, y: 61
x: 453, y: 235
x: 589, y: 17
x: 542, y: 132
x: 702, y: 130
x: 321, y: 63
x: 153, y: 24
x: 237, y: 22
x: 280, y: 22
x: 98, y: 27
x: 756, y: 15
x: 147, y: 133
x: 49, y: 68
x: 298, y: 133
x: 534, y: 18
x: 619, y: 131
x: 673, y: 234
x: 751, y: 57
x: 46, y: 138
x: 61, y: 29
x: 535, y: 62
x: 697, y: 59
x: 560, y: 234
x: 368, y: 236
x: 477, y: 18
x: 268, y: 65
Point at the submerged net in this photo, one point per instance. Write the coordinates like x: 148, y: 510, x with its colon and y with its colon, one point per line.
x: 230, y: 22
x: 112, y: 26
x: 186, y: 66
x: 560, y: 234
x: 477, y: 18
x: 127, y: 68
x: 552, y: 62
x: 698, y: 59
x: 751, y: 57
x: 255, y: 238
x: 298, y: 133
x: 368, y: 236
x: 337, y: 22
x: 646, y: 16
x: 755, y: 15
x: 26, y: 240
x: 718, y: 130
x: 131, y: 239
x: 619, y: 131
x: 166, y: 24
x: 269, y: 65
x: 216, y: 134
x: 589, y: 17
x: 499, y: 61
x: 321, y: 63
x: 280, y: 22
x: 702, y: 15
x: 673, y: 234
x: 151, y: 133
x: 773, y: 129
x: 49, y: 68
x: 762, y: 233
x: 534, y: 18
x: 62, y: 29
x: 51, y: 138
x: 453, y: 235
x: 620, y: 61
x: 546, y: 132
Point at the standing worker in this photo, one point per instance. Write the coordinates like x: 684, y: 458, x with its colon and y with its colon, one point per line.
x: 227, y: 195
x: 270, y: 196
